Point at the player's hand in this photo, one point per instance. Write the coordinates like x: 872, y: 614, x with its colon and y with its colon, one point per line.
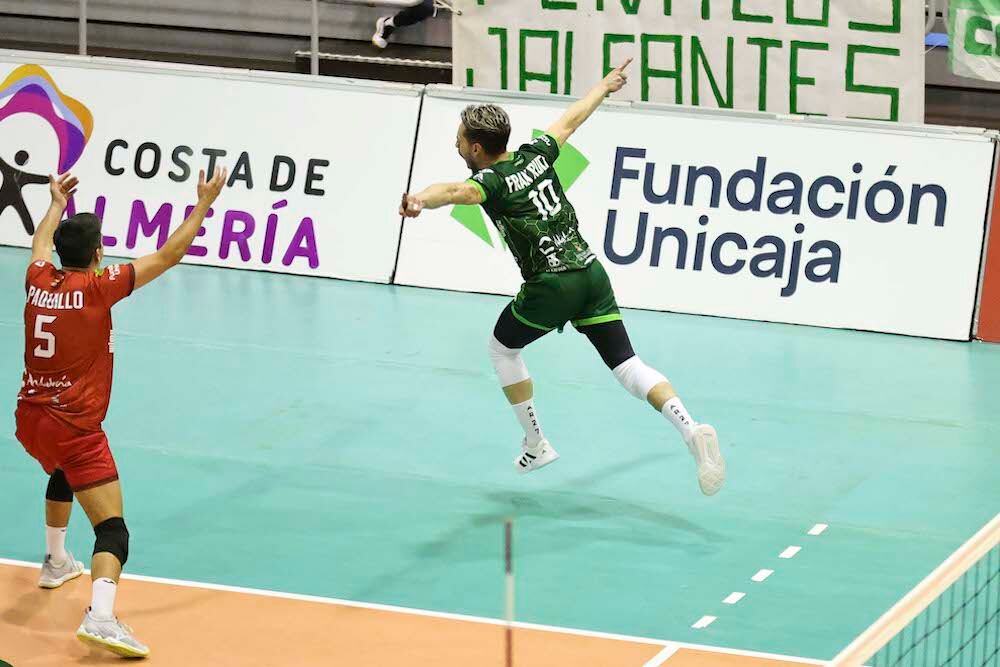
x: 208, y: 191
x: 410, y: 206
x: 616, y: 78
x: 62, y: 188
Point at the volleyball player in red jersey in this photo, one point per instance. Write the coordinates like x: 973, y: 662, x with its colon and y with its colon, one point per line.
x: 68, y: 359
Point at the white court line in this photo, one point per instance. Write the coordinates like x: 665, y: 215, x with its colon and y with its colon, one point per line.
x: 762, y: 575
x: 662, y: 656
x: 790, y: 552
x: 439, y: 614
x: 704, y: 622
x: 818, y: 529
x: 734, y: 597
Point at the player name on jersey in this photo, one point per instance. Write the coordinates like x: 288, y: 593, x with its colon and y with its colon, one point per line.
x: 55, y: 300
x: 520, y: 180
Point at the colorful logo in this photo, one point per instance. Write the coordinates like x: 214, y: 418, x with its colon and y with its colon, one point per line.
x: 569, y: 166
x: 29, y: 89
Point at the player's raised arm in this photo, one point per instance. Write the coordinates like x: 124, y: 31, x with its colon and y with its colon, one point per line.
x: 61, y: 189
x: 580, y: 110
x: 152, y: 266
x: 438, y: 195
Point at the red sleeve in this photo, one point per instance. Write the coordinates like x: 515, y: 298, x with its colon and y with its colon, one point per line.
x: 36, y: 269
x: 116, y: 282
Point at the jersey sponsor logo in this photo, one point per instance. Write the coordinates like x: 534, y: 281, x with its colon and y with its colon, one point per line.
x: 481, y: 175
x: 46, y: 382
x: 549, y: 248
x: 40, y: 263
x: 551, y: 245
x: 55, y: 300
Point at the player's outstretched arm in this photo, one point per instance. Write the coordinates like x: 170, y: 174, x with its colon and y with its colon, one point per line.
x: 61, y: 189
x: 580, y: 110
x: 438, y: 195
x: 152, y: 266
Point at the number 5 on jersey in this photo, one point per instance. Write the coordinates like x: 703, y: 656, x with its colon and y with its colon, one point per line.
x: 47, y: 337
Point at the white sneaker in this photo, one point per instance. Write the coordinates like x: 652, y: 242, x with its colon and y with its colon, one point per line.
x: 54, y: 577
x: 704, y: 447
x: 382, y: 32
x: 111, y: 635
x: 533, y: 458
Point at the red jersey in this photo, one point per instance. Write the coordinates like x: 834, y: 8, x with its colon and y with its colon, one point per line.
x: 68, y: 340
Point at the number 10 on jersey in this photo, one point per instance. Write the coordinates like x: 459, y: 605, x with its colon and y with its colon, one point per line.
x: 544, y: 197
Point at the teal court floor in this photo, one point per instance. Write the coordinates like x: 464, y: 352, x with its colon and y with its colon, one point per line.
x: 349, y: 440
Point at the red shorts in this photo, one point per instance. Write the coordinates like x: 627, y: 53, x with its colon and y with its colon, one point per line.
x: 84, y: 457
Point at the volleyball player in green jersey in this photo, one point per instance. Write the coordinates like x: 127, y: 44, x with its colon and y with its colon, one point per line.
x: 563, y: 280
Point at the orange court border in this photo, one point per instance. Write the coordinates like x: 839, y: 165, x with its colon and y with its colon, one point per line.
x: 189, y: 623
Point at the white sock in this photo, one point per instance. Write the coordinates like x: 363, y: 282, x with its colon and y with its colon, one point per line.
x: 55, y: 544
x: 528, y: 418
x: 102, y: 602
x: 674, y: 411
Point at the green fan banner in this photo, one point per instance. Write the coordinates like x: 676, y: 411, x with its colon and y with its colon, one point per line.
x: 974, y: 38
x: 843, y: 59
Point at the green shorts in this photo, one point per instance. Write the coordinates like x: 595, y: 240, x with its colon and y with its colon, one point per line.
x: 549, y: 300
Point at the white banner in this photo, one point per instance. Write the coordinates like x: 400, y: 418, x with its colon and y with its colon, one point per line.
x: 974, y: 39
x: 834, y: 225
x: 849, y: 58
x: 316, y: 168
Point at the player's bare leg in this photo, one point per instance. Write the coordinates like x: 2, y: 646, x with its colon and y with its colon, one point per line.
x: 612, y: 343
x: 103, y: 505
x: 520, y: 392
x: 59, y: 565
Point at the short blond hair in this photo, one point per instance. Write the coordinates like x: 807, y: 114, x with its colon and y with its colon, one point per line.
x: 487, y: 125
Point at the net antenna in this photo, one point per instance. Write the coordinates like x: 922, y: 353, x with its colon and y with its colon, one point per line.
x: 508, y: 561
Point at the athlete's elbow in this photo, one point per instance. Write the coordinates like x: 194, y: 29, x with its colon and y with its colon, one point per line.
x: 467, y: 194
x: 172, y: 255
x: 457, y: 193
x: 562, y: 132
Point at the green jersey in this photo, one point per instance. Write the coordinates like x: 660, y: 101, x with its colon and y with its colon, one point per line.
x: 523, y: 197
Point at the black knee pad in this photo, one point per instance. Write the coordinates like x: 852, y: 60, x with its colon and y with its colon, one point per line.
x: 112, y: 538
x: 58, y: 489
